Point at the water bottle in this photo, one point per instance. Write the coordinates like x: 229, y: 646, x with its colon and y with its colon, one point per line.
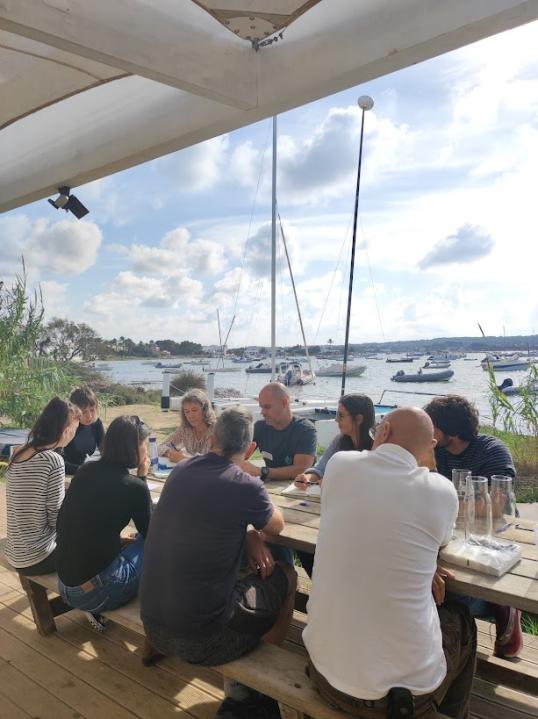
x: 153, y: 454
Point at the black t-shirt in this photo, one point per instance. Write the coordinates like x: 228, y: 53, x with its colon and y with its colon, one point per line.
x: 194, y: 545
x: 485, y: 456
x: 101, y: 501
x: 87, y: 439
x: 279, y: 446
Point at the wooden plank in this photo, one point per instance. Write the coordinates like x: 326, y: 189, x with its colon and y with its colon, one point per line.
x: 40, y: 605
x: 28, y: 696
x: 10, y: 710
x: 70, y: 694
x: 89, y: 671
x: 509, y: 590
x: 496, y: 701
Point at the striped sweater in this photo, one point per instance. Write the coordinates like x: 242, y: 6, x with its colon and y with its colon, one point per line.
x: 34, y: 492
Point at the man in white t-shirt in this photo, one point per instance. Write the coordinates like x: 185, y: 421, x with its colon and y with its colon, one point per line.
x: 373, y: 624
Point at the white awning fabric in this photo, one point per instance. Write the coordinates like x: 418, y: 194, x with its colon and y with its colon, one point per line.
x: 91, y: 88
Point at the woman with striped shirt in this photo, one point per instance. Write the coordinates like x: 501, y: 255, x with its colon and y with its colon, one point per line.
x: 35, y: 490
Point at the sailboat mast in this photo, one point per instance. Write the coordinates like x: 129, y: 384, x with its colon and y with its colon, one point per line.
x: 273, y: 259
x: 365, y: 103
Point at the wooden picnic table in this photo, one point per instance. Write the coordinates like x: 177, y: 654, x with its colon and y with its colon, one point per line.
x: 517, y: 588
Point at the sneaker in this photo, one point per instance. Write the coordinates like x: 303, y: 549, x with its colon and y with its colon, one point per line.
x: 509, y: 642
x: 97, y: 621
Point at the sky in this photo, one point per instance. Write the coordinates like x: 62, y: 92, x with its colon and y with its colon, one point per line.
x: 446, y: 235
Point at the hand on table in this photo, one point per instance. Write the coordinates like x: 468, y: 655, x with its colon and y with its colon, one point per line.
x: 259, y: 555
x: 302, y: 481
x: 439, y: 584
x: 175, y: 455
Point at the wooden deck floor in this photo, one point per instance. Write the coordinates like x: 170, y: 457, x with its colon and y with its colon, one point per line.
x: 78, y: 673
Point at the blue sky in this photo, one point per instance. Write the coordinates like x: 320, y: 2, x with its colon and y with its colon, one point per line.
x: 447, y: 233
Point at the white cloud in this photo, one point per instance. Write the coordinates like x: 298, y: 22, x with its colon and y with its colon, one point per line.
x: 55, y: 299
x: 63, y: 247
x: 194, y: 169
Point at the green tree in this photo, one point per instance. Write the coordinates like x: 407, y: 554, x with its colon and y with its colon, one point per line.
x: 65, y: 340
x: 27, y: 381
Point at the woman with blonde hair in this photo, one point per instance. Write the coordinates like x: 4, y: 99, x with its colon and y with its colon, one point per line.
x: 193, y: 436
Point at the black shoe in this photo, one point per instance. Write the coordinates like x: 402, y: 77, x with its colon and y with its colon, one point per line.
x: 258, y: 706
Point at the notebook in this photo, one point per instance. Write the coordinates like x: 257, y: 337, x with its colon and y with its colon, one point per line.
x: 312, y: 491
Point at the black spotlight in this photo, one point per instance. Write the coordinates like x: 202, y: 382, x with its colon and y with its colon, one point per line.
x: 69, y: 203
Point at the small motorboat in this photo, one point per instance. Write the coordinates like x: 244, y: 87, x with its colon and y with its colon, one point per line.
x: 293, y: 373
x: 260, y: 368
x: 161, y: 365
x: 436, y: 364
x: 504, y: 363
x: 510, y: 389
x: 336, y: 370
x: 420, y: 376
x: 400, y: 359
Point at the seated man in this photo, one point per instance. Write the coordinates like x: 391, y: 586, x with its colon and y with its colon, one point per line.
x: 460, y: 446
x: 287, y: 444
x: 372, y: 621
x: 192, y: 602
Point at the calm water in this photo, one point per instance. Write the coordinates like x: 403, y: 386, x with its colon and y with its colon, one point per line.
x: 469, y: 380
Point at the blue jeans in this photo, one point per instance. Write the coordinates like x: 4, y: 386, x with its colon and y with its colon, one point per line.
x: 479, y: 608
x: 114, y: 586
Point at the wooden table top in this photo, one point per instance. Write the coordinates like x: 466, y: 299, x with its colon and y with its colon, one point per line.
x: 517, y: 588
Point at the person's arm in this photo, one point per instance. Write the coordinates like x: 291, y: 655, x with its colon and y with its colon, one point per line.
x: 275, y: 525
x: 55, y: 492
x: 318, y: 470
x: 173, y: 446
x: 498, y: 460
x: 141, y: 506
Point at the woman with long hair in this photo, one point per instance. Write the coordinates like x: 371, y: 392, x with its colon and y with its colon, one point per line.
x: 355, y: 417
x: 193, y: 436
x: 35, y: 488
x: 97, y: 571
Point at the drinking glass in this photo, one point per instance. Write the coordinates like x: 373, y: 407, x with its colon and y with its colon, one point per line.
x: 503, y: 503
x: 459, y: 480
x: 478, y: 507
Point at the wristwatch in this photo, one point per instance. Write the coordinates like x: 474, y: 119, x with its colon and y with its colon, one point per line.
x: 264, y: 474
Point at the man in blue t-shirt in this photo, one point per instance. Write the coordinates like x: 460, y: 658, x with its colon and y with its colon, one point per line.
x: 287, y: 443
x: 460, y: 446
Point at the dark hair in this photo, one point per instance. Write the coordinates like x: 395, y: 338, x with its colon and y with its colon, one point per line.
x: 83, y: 397
x: 50, y: 425
x: 454, y: 416
x: 233, y: 431
x: 122, y: 438
x: 358, y: 405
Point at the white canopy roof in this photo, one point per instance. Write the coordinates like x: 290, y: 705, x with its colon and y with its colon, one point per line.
x: 90, y: 88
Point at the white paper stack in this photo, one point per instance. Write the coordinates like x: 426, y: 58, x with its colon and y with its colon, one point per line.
x: 312, y: 491
x: 483, y: 554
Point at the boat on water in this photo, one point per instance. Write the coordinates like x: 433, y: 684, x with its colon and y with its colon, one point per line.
x: 440, y: 356
x: 292, y: 374
x: 436, y: 364
x: 399, y: 359
x: 221, y: 369
x: 504, y: 362
x: 510, y: 389
x: 336, y: 356
x: 335, y: 370
x: 260, y: 368
x: 420, y: 376
x: 162, y: 365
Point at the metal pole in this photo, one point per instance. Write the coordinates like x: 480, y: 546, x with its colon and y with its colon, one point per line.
x: 365, y: 103
x: 273, y: 260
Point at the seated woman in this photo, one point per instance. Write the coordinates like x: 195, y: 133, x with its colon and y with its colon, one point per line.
x: 90, y: 432
x: 193, y: 436
x: 96, y: 570
x: 35, y: 488
x: 355, y: 417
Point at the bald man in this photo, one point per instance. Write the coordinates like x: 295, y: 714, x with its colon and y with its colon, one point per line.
x: 287, y: 443
x: 373, y: 624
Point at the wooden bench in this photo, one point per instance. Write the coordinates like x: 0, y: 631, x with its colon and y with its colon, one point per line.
x: 279, y: 672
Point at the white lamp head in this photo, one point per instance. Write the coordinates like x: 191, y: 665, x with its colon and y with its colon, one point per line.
x: 365, y: 102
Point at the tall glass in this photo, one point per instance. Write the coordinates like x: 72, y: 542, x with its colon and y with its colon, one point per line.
x: 478, y: 508
x: 459, y: 480
x: 503, y: 503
